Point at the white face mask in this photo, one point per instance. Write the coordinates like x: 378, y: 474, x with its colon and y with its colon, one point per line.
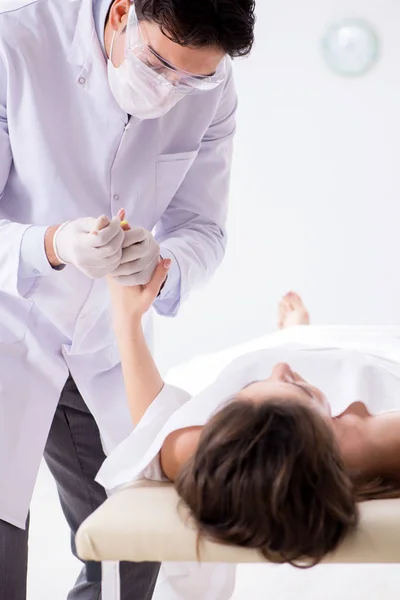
x: 140, y: 91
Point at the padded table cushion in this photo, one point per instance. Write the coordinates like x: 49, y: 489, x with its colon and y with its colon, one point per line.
x: 142, y: 523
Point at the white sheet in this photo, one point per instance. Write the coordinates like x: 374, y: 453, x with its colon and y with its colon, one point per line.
x: 347, y: 363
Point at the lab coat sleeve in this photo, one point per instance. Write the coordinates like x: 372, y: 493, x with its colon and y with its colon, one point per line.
x: 192, y: 230
x: 17, y: 277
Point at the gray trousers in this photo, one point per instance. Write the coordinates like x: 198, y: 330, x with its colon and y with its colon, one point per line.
x: 73, y: 454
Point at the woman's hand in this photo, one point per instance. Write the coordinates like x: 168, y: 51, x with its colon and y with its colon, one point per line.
x: 132, y: 302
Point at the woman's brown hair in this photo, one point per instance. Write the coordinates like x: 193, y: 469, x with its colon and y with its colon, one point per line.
x: 378, y: 488
x: 269, y: 476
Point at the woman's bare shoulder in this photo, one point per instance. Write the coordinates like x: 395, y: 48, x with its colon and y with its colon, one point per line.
x: 177, y: 448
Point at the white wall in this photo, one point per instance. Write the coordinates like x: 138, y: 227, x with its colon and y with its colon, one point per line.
x: 315, y: 187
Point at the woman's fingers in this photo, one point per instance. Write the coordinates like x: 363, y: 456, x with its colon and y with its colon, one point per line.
x: 124, y: 224
x: 159, y: 275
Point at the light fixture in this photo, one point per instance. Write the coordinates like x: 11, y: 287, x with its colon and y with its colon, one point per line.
x: 351, y: 47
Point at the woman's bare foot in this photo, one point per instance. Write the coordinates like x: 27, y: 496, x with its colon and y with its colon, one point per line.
x: 292, y: 311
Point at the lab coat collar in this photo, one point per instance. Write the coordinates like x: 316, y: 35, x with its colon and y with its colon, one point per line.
x: 88, y: 57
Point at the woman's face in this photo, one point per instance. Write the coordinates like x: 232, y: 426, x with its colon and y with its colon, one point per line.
x: 284, y: 384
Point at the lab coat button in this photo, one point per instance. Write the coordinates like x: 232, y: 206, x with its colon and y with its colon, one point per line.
x: 116, y: 197
x: 81, y: 80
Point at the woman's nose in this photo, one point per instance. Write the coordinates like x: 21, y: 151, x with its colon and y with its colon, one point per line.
x: 282, y: 372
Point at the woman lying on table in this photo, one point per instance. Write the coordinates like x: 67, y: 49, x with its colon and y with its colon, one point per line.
x: 258, y: 457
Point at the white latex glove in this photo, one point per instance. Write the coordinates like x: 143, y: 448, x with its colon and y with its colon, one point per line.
x: 94, y: 246
x: 140, y: 257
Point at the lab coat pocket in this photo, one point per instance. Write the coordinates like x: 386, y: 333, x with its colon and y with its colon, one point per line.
x: 14, y: 318
x: 171, y: 170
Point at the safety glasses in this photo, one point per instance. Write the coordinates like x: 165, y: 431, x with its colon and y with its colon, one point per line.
x: 184, y: 82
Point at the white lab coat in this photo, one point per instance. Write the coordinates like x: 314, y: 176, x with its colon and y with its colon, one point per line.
x: 68, y: 151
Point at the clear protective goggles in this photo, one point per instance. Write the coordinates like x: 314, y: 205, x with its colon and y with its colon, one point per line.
x: 183, y: 81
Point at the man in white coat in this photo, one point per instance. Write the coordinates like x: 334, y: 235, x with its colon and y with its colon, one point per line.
x: 101, y: 107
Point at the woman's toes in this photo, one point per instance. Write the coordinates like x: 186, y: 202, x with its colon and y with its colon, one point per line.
x: 291, y: 300
x: 292, y: 311
x: 296, y: 301
x: 282, y: 309
x: 288, y: 302
x: 282, y: 314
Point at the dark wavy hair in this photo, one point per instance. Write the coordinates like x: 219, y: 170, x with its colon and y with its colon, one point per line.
x: 269, y: 476
x: 228, y: 24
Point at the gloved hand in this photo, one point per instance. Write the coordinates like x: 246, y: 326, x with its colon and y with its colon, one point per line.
x: 140, y: 257
x: 94, y: 246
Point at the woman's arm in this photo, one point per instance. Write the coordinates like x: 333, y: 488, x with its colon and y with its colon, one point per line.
x: 142, y: 379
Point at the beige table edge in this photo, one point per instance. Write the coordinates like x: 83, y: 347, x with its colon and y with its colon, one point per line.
x: 142, y: 523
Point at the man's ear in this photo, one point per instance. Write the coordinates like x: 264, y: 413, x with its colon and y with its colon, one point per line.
x: 119, y: 14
